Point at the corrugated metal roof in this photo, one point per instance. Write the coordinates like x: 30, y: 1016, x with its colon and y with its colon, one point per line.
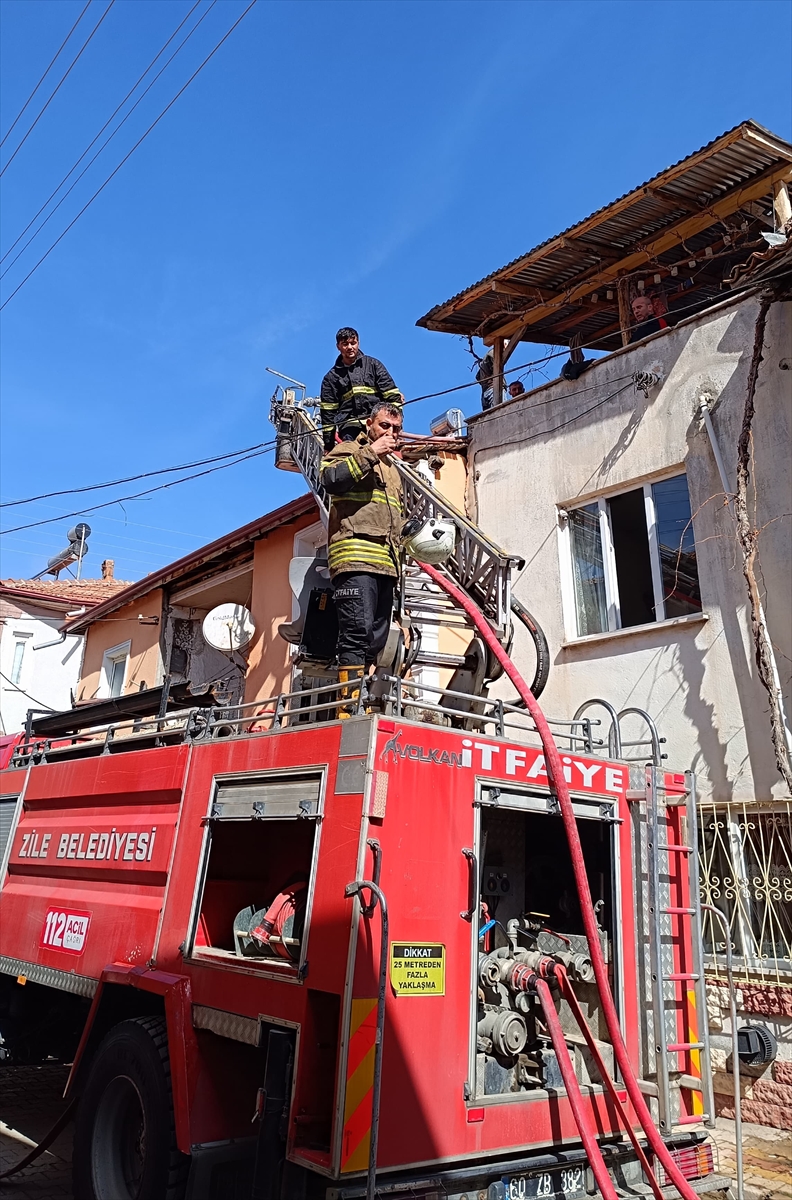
x: 715, y: 175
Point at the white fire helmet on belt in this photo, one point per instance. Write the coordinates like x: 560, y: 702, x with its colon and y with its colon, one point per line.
x: 429, y: 541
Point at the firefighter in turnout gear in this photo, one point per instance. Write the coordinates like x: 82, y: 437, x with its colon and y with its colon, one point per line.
x: 351, y: 388
x: 364, y: 533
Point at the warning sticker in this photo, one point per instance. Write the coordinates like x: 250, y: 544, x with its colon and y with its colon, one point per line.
x: 417, y: 968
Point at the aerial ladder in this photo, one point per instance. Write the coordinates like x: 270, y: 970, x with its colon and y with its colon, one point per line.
x: 482, y: 569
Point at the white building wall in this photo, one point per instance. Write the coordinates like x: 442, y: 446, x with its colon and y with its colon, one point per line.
x: 47, y: 676
x: 695, y: 676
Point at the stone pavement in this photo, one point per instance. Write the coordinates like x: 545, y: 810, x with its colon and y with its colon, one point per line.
x: 767, y: 1159
x: 31, y: 1100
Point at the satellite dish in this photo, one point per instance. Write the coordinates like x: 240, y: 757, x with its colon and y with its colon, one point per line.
x: 228, y: 627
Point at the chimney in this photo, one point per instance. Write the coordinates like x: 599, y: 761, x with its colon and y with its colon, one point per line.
x: 108, y: 566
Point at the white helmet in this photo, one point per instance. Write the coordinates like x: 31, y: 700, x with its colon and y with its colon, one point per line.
x: 429, y: 541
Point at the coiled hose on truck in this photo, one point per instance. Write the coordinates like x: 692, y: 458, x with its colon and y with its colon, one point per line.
x: 556, y: 776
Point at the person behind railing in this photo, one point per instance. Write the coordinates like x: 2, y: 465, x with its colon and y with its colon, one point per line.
x: 364, y: 533
x: 351, y: 388
x: 644, y: 309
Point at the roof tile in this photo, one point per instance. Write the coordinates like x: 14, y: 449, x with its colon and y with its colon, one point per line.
x: 83, y: 591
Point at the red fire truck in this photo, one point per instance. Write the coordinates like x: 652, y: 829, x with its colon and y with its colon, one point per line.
x: 293, y: 956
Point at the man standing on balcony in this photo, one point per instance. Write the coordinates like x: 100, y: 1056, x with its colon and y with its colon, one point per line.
x: 364, y: 534
x: 351, y: 388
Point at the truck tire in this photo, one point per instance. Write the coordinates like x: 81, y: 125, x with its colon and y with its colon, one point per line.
x: 125, y: 1137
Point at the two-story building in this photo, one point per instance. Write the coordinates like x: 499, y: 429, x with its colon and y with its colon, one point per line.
x: 617, y: 483
x: 39, y: 666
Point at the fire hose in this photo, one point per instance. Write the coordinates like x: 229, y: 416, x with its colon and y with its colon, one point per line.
x: 556, y: 777
x: 583, y: 1118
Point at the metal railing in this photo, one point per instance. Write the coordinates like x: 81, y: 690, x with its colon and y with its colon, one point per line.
x: 287, y: 710
x: 616, y: 742
x: 745, y: 871
x: 478, y: 565
x: 299, y: 437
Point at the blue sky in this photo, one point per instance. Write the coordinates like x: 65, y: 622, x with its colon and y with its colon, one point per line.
x: 335, y: 163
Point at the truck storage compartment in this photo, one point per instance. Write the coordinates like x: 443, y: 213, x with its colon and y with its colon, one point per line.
x: 258, y: 868
x: 529, y: 909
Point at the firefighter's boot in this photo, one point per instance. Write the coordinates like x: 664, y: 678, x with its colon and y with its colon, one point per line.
x: 350, y: 679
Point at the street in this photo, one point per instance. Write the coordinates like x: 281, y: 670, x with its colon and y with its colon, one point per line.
x: 32, y: 1100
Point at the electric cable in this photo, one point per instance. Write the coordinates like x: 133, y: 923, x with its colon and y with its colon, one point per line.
x: 594, y: 342
x: 27, y: 695
x: 129, y: 154
x: 44, y: 76
x: 260, y: 449
x: 58, y: 87
x: 571, y: 421
x: 94, y: 487
x: 239, y: 457
x: 146, y: 491
x: 117, y: 109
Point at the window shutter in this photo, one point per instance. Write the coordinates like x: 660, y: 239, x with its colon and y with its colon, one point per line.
x: 261, y: 798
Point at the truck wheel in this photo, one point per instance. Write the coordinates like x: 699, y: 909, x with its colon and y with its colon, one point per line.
x: 125, y: 1138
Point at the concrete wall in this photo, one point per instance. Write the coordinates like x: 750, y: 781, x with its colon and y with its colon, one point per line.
x: 48, y: 676
x: 697, y: 676
x: 145, y: 661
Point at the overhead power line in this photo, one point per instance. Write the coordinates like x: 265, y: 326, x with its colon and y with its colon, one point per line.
x: 243, y: 455
x: 19, y: 115
x: 27, y: 695
x: 115, y: 112
x: 95, y: 487
x: 58, y: 87
x: 255, y: 453
x: 129, y: 154
x: 146, y: 491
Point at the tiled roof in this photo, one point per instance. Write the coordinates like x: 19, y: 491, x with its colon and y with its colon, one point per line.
x: 71, y: 591
x: 196, y: 558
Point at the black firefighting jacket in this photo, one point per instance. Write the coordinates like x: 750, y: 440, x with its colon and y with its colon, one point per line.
x: 348, y: 395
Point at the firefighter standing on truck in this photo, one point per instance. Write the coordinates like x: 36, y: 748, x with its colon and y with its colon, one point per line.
x: 351, y: 388
x: 363, y: 543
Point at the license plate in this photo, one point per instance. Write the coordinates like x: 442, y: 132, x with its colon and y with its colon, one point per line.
x: 569, y: 1183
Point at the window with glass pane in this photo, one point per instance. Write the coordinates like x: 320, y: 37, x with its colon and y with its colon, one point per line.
x: 588, y: 570
x: 16, y: 669
x: 677, y: 548
x: 117, y: 672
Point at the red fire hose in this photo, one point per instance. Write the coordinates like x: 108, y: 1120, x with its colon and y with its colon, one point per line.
x: 568, y: 993
x: 556, y: 776
x: 583, y: 1119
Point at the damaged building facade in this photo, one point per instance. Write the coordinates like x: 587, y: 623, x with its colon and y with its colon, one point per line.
x: 617, y: 484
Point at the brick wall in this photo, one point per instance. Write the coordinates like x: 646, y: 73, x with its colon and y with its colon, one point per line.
x: 765, y: 1092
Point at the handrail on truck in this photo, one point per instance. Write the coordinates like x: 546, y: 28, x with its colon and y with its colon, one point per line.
x: 367, y: 911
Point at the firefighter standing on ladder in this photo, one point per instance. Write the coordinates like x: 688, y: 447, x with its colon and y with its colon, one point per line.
x: 351, y: 388
x: 364, y: 535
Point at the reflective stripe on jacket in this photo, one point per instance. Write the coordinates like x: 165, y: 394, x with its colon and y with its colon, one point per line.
x: 365, y: 509
x: 349, y: 393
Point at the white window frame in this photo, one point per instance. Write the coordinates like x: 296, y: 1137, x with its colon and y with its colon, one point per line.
x: 20, y: 640
x: 116, y: 654
x: 609, y: 558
